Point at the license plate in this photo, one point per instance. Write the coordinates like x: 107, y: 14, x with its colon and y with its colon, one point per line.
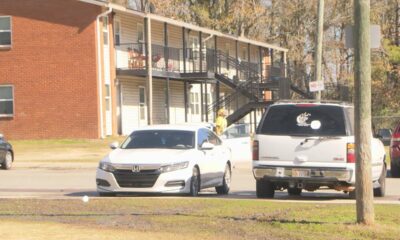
x: 300, y: 172
x: 280, y: 172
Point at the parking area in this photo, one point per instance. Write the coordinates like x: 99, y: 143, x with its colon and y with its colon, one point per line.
x: 74, y: 180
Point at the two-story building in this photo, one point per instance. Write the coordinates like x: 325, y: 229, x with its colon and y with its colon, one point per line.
x: 90, y: 68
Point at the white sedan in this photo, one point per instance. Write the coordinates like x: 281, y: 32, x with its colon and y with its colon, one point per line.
x: 166, y: 159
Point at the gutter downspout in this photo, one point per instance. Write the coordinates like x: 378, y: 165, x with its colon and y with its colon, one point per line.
x: 99, y: 69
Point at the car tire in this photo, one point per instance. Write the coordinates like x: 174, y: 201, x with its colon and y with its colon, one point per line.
x: 226, y: 182
x: 294, y: 191
x: 8, y: 160
x: 107, y: 194
x: 394, y: 170
x: 195, y: 183
x: 380, y: 191
x: 265, y: 189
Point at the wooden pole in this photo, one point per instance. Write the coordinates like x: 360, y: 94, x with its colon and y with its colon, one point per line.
x: 362, y: 118
x: 318, y: 52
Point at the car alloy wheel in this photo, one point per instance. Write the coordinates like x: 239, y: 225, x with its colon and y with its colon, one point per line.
x: 224, y: 188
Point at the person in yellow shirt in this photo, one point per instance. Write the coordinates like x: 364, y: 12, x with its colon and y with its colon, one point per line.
x: 220, y: 122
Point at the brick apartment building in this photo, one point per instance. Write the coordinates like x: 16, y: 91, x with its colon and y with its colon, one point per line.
x: 82, y: 69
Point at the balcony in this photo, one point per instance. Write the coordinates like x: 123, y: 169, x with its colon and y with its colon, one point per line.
x: 198, y: 64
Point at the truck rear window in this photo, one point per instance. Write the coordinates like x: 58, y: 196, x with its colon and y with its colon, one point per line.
x: 295, y: 120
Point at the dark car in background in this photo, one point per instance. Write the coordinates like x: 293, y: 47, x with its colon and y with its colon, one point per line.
x: 385, y: 135
x: 6, y: 153
x: 395, y: 152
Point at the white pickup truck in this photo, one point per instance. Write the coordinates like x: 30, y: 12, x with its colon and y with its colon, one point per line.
x: 309, y: 145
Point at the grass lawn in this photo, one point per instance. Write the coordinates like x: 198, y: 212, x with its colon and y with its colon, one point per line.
x: 64, y: 150
x: 189, y: 218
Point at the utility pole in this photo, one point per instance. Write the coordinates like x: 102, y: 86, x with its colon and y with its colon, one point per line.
x: 318, y: 52
x: 362, y: 118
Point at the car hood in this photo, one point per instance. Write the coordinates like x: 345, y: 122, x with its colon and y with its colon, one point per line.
x: 149, y: 156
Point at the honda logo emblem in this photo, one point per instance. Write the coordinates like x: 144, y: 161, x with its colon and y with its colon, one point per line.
x: 135, y: 168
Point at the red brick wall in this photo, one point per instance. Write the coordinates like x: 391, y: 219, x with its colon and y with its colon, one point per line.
x: 52, y: 65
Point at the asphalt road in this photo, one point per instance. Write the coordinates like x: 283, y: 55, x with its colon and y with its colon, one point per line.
x: 77, y: 180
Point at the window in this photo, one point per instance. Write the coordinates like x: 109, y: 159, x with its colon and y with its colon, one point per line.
x: 205, y: 135
x: 142, y: 103
x: 108, y: 97
x: 296, y: 120
x: 117, y: 31
x: 105, y: 30
x: 5, y: 31
x: 140, y: 37
x: 202, y: 136
x: 6, y: 101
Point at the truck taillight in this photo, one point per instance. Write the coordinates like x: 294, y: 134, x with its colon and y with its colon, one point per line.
x: 351, y: 153
x: 255, y: 150
x: 395, y: 142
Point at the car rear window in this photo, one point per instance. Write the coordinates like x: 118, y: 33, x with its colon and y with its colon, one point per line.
x: 295, y: 120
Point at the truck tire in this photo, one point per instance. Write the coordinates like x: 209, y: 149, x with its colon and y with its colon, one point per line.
x: 294, y: 191
x: 380, y: 191
x: 265, y: 189
x: 394, y: 170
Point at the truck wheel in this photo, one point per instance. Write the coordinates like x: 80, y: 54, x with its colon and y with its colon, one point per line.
x: 394, y: 170
x: 294, y: 191
x: 352, y: 194
x: 224, y: 188
x: 265, y: 189
x: 380, y: 191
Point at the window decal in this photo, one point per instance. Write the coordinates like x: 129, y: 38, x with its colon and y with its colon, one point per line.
x: 302, y: 119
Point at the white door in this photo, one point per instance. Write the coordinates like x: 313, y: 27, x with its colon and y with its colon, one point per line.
x: 195, y: 114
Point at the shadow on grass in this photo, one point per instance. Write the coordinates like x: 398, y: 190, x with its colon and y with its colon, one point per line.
x: 243, y: 195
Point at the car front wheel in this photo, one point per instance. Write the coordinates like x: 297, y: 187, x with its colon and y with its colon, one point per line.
x: 195, y: 182
x: 265, y: 189
x: 8, y: 161
x: 224, y: 189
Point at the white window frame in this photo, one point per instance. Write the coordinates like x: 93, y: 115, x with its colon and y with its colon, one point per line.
x: 10, y: 31
x: 8, y: 100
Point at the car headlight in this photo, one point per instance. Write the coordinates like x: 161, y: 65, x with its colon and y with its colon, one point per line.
x: 174, y: 167
x: 106, y: 167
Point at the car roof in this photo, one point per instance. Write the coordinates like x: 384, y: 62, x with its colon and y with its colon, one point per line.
x: 181, y: 127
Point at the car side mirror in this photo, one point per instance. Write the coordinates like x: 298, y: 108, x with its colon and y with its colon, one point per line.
x: 207, y: 146
x: 114, y: 145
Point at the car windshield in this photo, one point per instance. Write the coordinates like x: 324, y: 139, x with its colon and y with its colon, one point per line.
x: 170, y: 139
x: 238, y: 131
x: 295, y: 120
